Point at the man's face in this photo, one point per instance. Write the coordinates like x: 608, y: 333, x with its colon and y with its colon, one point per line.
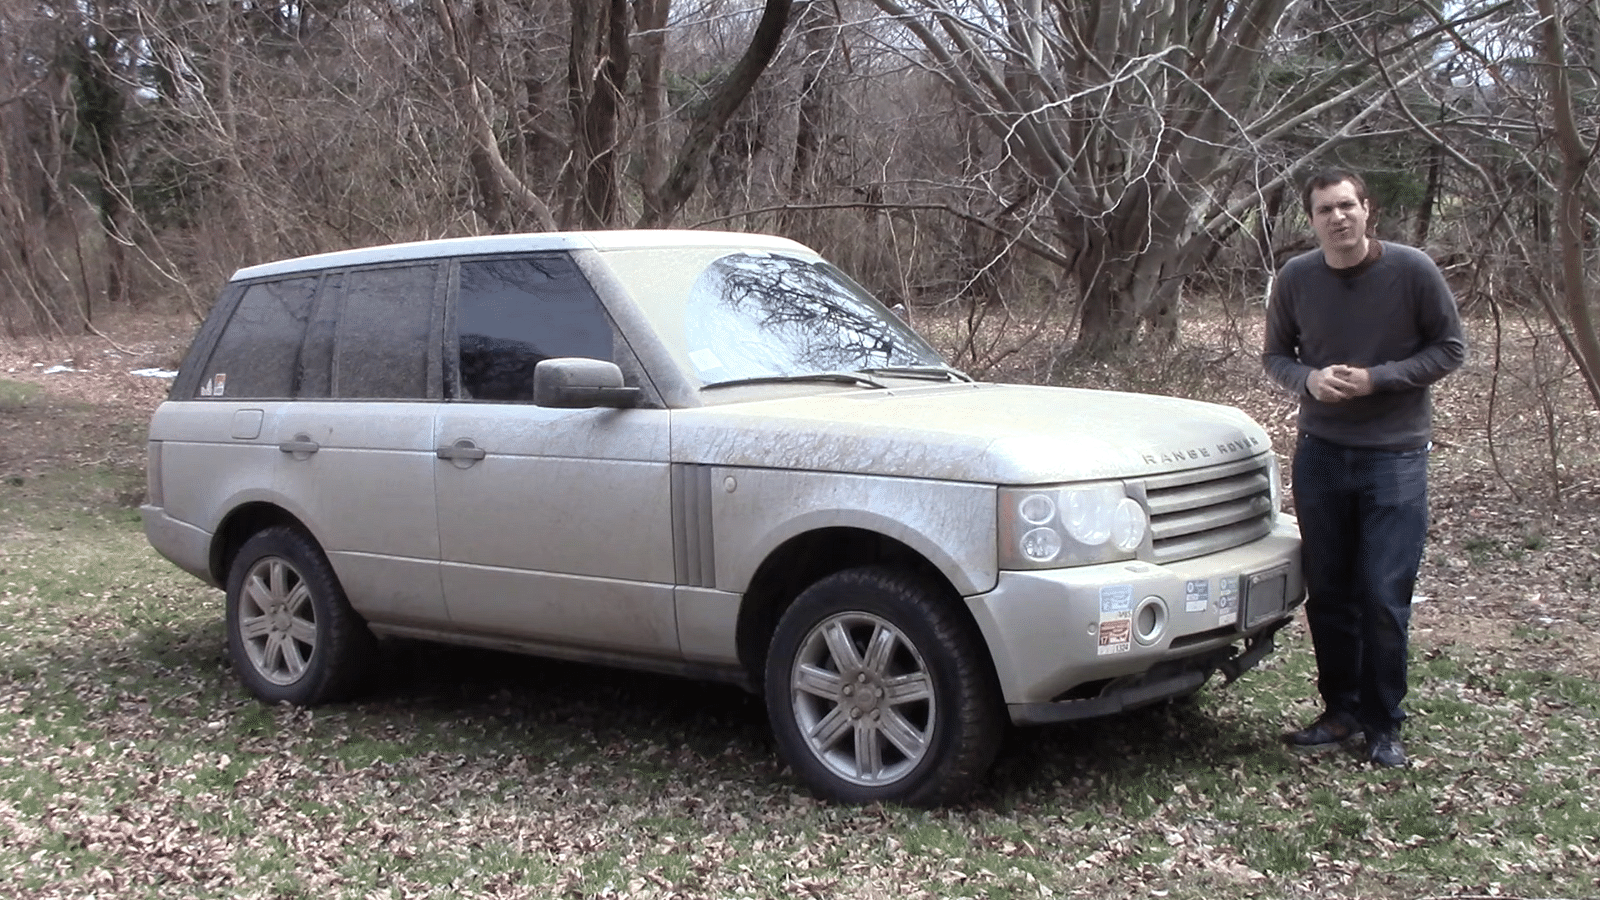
x: 1339, y: 218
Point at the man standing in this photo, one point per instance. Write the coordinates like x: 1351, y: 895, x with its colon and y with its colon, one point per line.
x: 1358, y: 329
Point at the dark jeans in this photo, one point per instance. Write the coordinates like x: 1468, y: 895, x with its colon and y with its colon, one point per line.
x: 1363, y: 519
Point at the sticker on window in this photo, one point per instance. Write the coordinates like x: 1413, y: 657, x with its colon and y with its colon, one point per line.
x: 214, y: 387
x: 1116, y: 619
x: 705, y: 360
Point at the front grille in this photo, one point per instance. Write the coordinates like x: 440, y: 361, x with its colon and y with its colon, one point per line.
x: 1204, y: 511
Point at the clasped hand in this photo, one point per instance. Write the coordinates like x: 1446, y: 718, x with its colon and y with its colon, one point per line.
x: 1336, y: 383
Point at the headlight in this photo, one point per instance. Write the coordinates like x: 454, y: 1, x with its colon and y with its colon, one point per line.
x: 1069, y: 526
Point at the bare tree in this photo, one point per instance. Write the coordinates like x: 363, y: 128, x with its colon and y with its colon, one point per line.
x: 597, y: 72
x: 1529, y: 143
x: 663, y: 201
x: 496, y: 182
x: 1131, y: 123
x: 1577, y: 197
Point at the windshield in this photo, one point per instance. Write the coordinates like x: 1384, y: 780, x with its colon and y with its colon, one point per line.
x: 751, y: 314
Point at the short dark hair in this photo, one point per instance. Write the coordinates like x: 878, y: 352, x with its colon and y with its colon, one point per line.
x: 1327, y: 178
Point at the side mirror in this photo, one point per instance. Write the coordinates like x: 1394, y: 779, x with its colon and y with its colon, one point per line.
x: 571, y: 382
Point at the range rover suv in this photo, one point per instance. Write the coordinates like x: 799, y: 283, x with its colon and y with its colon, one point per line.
x: 712, y: 455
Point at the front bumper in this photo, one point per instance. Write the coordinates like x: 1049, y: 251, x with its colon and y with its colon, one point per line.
x: 1094, y: 640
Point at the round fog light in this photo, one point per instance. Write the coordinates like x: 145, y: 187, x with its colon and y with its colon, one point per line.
x: 1036, y: 509
x: 1150, y: 620
x: 1041, y: 545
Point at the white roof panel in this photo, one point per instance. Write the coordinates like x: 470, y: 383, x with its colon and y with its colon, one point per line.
x: 517, y: 243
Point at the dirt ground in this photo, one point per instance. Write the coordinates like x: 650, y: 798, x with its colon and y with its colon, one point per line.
x: 1514, y: 575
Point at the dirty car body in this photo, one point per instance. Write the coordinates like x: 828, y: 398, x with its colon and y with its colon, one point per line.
x: 712, y: 455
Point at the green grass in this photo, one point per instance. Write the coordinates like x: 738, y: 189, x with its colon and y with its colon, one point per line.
x: 132, y: 765
x: 16, y: 395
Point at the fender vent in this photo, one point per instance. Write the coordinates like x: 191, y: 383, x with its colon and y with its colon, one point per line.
x: 692, y: 543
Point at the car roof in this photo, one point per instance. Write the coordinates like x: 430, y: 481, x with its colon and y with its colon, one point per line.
x: 520, y: 243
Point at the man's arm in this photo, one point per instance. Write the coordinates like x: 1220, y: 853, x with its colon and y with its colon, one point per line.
x: 1444, y: 343
x: 1280, y: 351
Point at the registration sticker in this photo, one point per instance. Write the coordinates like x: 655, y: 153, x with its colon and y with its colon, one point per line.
x: 1196, y: 596
x: 1228, y: 600
x: 1116, y: 619
x: 705, y: 360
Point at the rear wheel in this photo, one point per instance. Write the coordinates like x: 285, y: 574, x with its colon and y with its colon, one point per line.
x: 878, y: 689
x: 292, y: 635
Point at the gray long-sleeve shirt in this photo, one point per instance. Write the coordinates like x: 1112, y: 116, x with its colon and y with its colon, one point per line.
x: 1394, y: 316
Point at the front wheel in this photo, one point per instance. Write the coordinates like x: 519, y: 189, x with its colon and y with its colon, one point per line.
x: 879, y: 689
x: 292, y: 635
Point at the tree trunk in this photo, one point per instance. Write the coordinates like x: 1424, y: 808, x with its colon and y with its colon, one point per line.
x: 1131, y: 272
x: 597, y: 71
x: 1266, y: 225
x: 100, y: 120
x: 1108, y: 316
x: 664, y: 201
x: 818, y: 27
x: 1584, y: 346
x: 1430, y: 194
x: 495, y: 180
x: 231, y: 152
x: 653, y: 115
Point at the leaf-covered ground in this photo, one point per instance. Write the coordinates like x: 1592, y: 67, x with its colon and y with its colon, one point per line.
x: 132, y: 765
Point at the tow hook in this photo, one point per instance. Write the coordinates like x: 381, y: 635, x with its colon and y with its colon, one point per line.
x: 1255, y: 649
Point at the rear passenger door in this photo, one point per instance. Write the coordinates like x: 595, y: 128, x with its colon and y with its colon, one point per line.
x: 355, y: 454
x: 219, y: 449
x: 554, y: 524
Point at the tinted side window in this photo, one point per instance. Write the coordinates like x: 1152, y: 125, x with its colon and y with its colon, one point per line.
x: 515, y: 312
x: 385, y: 343
x: 258, y: 354
x: 316, y: 354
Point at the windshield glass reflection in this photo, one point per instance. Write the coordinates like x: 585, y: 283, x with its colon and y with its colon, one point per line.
x: 752, y: 315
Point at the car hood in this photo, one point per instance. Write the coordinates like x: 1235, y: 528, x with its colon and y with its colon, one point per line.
x: 993, y: 433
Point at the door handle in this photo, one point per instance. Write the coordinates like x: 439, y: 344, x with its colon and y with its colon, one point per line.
x: 461, y: 450
x: 300, y: 444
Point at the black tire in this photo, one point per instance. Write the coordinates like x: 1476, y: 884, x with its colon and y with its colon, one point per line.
x: 292, y: 635
x: 879, y: 689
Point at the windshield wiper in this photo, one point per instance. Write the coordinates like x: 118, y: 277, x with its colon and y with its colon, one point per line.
x: 835, y: 377
x: 936, y: 373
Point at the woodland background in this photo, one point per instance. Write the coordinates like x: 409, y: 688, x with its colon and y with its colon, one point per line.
x: 1099, y: 165
x: 1058, y: 192
x: 1050, y: 187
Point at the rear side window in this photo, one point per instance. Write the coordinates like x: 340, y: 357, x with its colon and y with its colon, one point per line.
x: 512, y: 313
x: 257, y: 355
x: 385, y: 342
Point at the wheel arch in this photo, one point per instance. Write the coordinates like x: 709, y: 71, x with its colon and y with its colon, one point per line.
x: 806, y: 558
x: 239, y: 525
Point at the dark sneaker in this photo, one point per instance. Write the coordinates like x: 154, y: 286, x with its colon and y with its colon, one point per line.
x: 1328, y: 730
x: 1384, y: 749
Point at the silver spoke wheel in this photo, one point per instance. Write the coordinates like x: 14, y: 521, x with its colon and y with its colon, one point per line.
x: 863, y: 698
x: 292, y: 635
x: 277, y: 620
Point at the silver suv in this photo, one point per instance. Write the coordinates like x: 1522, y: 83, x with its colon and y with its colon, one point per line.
x: 711, y: 455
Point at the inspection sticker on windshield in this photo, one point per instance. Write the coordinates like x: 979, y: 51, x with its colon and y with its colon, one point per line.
x: 705, y: 360
x: 1228, y: 601
x: 1116, y: 619
x: 1196, y: 596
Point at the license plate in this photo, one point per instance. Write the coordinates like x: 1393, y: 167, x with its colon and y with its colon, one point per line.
x: 1266, y: 596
